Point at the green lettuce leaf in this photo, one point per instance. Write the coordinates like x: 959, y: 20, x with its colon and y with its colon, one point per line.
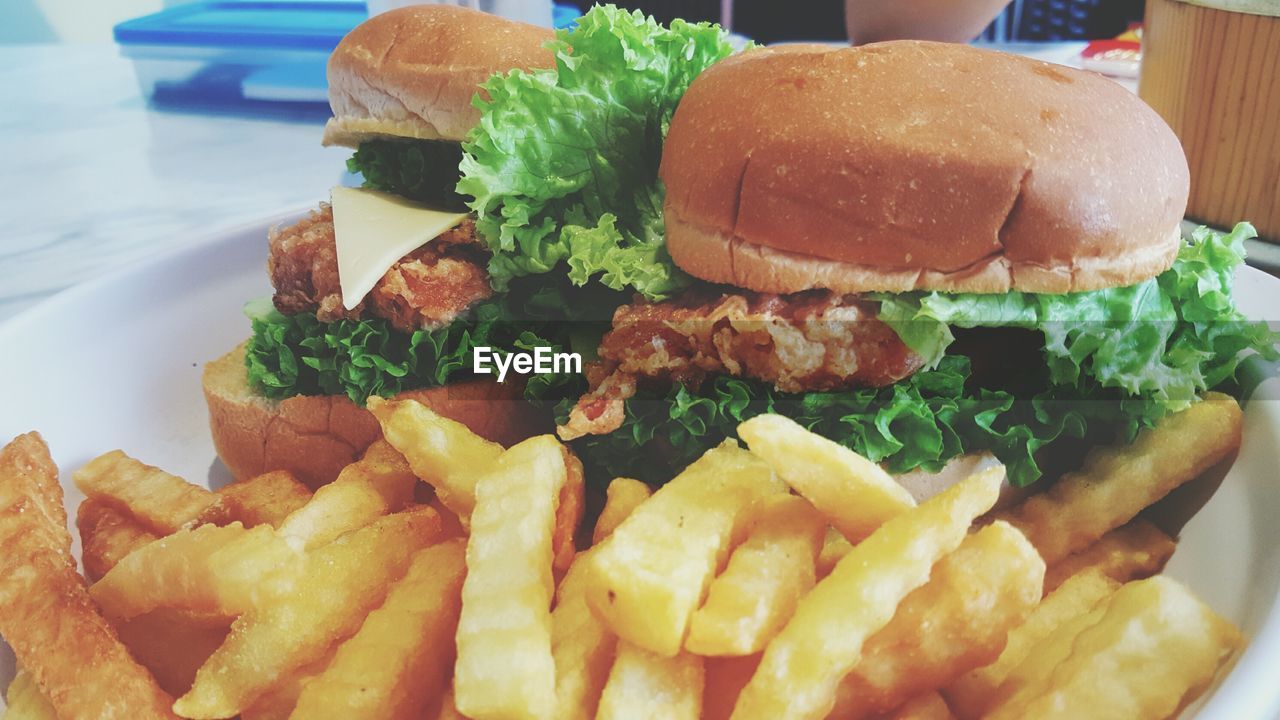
x: 563, y: 166
x: 1166, y: 339
x: 425, y: 171
x: 921, y: 422
x: 300, y: 355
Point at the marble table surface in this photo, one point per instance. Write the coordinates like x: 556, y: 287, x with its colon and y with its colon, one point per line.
x: 92, y: 177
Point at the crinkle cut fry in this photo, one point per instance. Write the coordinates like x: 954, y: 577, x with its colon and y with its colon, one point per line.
x: 161, y: 502
x: 46, y: 612
x: 957, y: 621
x: 107, y: 536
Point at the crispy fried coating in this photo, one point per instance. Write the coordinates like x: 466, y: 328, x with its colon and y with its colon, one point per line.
x: 803, y: 342
x: 427, y: 288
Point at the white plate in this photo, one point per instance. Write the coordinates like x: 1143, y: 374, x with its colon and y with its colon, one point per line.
x: 116, y: 363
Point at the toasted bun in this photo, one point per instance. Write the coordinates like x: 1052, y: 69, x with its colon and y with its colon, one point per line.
x: 917, y: 165
x: 411, y: 72
x: 314, y: 437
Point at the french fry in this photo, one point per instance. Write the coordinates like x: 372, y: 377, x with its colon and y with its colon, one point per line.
x: 29, y: 477
x: 341, y: 583
x: 335, y: 509
x: 46, y: 616
x: 278, y: 701
x: 644, y: 685
x: 1046, y: 655
x: 1116, y: 483
x: 569, y: 509
x: 443, y: 452
x: 450, y: 457
x: 161, y: 502
x: 767, y: 575
x: 448, y: 521
x: 106, y: 536
x: 383, y: 467
x: 504, y: 666
x: 621, y: 497
x: 853, y: 492
x: 208, y: 570
x: 400, y: 659
x: 724, y: 679
x: 173, y: 644
x: 834, y: 547
x: 650, y: 575
x: 955, y: 622
x: 929, y: 706
x: 970, y: 694
x: 379, y: 482
x: 581, y: 646
x: 1132, y: 551
x: 802, y: 666
x: 448, y: 709
x: 1155, y: 648
x: 25, y: 700
x: 223, y: 570
x: 266, y: 499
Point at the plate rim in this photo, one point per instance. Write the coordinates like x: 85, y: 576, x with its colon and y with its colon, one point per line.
x: 146, y: 262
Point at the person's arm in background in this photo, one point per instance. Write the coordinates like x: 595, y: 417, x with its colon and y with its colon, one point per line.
x: 947, y: 20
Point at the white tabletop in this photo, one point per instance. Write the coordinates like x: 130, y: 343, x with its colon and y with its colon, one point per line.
x: 92, y: 178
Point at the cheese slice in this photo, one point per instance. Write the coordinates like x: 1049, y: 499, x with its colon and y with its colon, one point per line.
x: 372, y: 230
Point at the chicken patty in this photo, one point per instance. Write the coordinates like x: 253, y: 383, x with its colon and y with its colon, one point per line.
x: 427, y: 288
x: 808, y: 341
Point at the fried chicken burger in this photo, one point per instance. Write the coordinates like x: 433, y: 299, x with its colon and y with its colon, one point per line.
x: 919, y: 250
x: 384, y: 289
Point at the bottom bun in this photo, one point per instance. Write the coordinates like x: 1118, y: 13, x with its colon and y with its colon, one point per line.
x: 315, y: 436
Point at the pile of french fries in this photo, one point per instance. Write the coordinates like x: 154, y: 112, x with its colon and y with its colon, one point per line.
x: 783, y: 578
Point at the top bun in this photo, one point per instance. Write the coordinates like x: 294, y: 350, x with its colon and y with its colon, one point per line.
x: 411, y: 72
x: 918, y: 165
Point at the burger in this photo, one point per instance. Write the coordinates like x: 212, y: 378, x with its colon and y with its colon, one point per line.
x: 390, y: 288
x: 922, y: 251
x: 384, y: 289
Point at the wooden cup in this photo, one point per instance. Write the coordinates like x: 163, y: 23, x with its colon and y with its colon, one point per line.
x: 1212, y: 69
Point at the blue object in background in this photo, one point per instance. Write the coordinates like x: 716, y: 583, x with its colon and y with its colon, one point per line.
x: 228, y: 53
x: 564, y: 17
x: 246, y: 54
x: 234, y: 24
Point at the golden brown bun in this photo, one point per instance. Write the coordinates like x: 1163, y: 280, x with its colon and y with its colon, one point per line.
x: 917, y: 165
x: 411, y: 72
x: 314, y: 437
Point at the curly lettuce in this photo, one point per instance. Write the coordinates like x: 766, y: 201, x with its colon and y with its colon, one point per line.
x: 1166, y: 339
x: 563, y: 166
x: 921, y: 422
x: 297, y: 354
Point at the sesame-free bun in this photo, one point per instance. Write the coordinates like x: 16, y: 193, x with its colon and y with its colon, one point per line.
x: 917, y: 165
x: 314, y: 437
x: 411, y: 72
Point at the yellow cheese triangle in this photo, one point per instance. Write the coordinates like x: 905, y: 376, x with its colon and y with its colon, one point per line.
x: 372, y: 230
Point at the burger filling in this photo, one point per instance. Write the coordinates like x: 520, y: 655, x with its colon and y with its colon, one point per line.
x: 428, y: 288
x: 810, y: 341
